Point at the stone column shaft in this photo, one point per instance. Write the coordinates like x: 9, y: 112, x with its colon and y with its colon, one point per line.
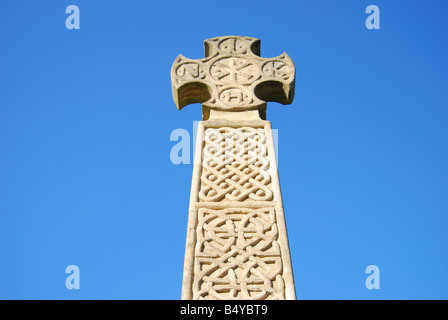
x: 237, y: 245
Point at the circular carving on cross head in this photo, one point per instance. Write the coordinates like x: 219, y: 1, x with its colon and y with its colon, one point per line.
x: 277, y: 69
x: 234, y: 97
x: 234, y: 70
x: 233, y: 45
x: 190, y: 71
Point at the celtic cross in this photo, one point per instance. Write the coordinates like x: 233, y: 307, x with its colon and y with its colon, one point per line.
x: 232, y: 77
x: 237, y: 245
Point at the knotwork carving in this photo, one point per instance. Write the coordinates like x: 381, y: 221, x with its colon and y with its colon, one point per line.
x: 235, y: 165
x: 237, y: 245
x: 237, y: 255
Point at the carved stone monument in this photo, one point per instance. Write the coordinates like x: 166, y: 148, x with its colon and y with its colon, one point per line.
x: 237, y: 244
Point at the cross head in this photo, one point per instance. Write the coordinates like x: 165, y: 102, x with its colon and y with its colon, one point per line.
x: 232, y: 77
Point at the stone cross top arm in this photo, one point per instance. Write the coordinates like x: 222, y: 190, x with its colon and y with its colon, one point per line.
x: 237, y: 244
x: 232, y: 77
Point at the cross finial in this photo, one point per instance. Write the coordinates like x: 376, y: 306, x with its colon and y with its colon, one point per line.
x: 232, y: 77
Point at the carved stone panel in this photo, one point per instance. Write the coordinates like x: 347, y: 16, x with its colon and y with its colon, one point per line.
x: 235, y: 165
x: 237, y: 255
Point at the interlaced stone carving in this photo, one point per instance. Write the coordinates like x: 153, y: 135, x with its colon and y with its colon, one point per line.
x: 237, y: 255
x: 235, y: 166
x: 237, y: 245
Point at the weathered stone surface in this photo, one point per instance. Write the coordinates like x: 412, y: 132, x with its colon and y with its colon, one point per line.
x: 232, y: 77
x: 237, y: 246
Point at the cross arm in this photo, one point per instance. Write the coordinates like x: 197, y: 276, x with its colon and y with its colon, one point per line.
x: 278, y: 81
x: 188, y: 80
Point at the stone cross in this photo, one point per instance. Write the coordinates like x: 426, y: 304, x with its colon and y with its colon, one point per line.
x: 237, y: 244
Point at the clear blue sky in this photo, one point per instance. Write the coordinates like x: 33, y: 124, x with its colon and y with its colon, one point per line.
x: 85, y: 122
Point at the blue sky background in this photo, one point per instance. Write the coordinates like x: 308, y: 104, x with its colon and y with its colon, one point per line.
x: 85, y: 123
